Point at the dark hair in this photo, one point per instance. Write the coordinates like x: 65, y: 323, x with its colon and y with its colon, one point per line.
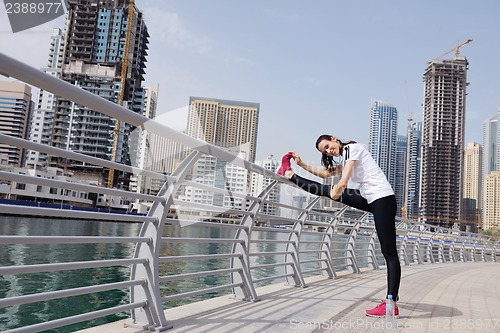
x: 327, y: 161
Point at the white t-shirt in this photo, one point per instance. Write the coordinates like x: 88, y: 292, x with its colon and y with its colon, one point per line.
x: 372, y: 181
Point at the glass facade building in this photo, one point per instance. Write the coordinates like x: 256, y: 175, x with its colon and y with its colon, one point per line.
x: 383, y: 137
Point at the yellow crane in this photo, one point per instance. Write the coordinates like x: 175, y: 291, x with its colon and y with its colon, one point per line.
x: 121, y: 94
x: 403, y: 210
x: 456, y: 49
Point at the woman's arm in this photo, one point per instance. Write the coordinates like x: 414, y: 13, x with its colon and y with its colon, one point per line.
x: 322, y: 173
x: 342, y: 184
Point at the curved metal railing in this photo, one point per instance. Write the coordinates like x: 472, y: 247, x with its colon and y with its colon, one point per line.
x: 241, y: 247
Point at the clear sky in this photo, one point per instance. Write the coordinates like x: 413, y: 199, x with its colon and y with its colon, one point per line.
x: 313, y: 66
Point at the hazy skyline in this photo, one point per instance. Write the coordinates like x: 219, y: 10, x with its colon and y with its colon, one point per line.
x: 313, y: 66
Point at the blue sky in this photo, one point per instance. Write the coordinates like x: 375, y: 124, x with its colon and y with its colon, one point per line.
x: 313, y: 66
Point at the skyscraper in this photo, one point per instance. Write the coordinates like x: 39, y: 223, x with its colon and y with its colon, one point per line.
x: 105, y: 54
x: 224, y: 123
x: 42, y: 119
x: 472, y: 183
x: 229, y: 124
x: 491, y: 219
x: 473, y: 159
x: 400, y: 172
x: 491, y: 160
x: 260, y: 183
x: 491, y: 147
x: 445, y: 83
x: 140, y: 143
x: 383, y: 137
x: 15, y: 110
x: 413, y: 159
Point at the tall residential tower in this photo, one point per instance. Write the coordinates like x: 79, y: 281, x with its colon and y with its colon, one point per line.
x: 15, y: 110
x: 383, y: 137
x: 400, y: 173
x: 472, y: 184
x: 491, y: 214
x: 491, y: 147
x: 229, y: 124
x: 413, y: 164
x: 98, y: 36
x: 260, y: 183
x: 224, y: 123
x: 445, y: 83
x: 42, y: 120
x: 473, y: 160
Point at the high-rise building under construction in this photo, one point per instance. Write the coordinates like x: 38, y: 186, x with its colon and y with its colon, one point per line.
x: 105, y: 54
x: 445, y: 83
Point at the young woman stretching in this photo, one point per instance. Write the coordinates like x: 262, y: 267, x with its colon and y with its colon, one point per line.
x: 375, y: 195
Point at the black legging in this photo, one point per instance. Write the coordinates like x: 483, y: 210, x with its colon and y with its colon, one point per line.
x: 384, y: 214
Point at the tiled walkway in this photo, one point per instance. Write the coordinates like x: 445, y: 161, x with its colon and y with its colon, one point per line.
x: 460, y: 297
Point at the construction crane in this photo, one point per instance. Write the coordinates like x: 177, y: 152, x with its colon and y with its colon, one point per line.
x: 121, y: 94
x: 456, y: 49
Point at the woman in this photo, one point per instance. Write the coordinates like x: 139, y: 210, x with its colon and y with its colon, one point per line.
x: 375, y: 195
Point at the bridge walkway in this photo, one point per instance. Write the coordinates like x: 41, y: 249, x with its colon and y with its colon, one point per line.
x: 434, y: 298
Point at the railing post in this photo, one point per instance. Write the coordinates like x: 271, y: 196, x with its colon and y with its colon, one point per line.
x: 490, y: 247
x: 441, y: 250
x: 151, y: 317
x: 402, y: 248
x: 351, y: 244
x: 418, y: 239
x: 416, y: 246
x: 428, y: 250
x: 463, y: 258
x: 473, y: 252
x: 495, y: 246
x: 372, y: 251
x: 326, y: 254
x: 294, y: 246
x: 154, y: 317
x: 483, y: 253
x: 247, y: 290
x: 451, y: 254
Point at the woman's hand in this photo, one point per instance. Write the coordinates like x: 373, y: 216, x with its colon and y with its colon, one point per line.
x: 336, y: 192
x: 322, y: 173
x: 297, y: 158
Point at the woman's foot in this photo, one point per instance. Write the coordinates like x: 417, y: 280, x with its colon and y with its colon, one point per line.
x: 285, y: 164
x: 379, y: 311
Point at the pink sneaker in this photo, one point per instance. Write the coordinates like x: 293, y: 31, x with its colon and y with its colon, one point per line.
x: 379, y: 311
x: 285, y: 164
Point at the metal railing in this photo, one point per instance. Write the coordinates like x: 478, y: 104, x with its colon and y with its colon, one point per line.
x: 252, y: 248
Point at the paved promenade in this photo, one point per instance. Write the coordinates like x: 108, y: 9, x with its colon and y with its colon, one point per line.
x: 434, y: 298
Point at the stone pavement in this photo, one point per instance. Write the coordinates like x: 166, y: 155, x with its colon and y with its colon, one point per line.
x: 453, y: 297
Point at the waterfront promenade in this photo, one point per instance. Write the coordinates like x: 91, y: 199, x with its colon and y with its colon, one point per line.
x: 434, y: 298
x: 179, y: 251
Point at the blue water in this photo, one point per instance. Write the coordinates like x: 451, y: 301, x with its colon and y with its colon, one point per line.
x: 25, y: 284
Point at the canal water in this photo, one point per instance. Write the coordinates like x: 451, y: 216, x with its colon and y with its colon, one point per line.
x: 24, y: 284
